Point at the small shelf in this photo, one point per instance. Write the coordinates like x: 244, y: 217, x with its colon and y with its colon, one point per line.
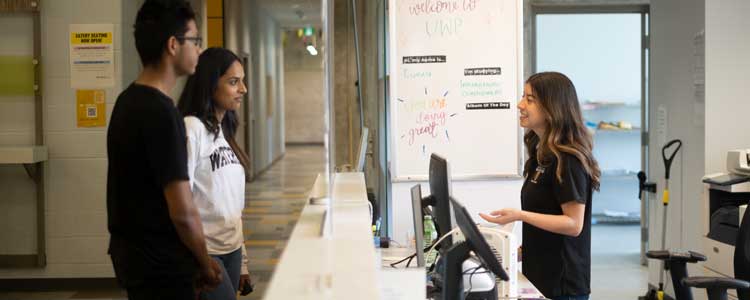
x: 608, y: 105
x: 618, y: 177
x: 23, y: 154
x: 617, y: 173
x: 609, y: 131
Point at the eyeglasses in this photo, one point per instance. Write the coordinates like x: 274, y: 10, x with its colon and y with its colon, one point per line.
x: 197, y: 41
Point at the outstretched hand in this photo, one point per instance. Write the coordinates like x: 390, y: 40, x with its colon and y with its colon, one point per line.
x: 503, y: 216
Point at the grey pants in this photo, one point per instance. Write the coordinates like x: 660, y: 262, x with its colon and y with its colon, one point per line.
x: 230, y: 265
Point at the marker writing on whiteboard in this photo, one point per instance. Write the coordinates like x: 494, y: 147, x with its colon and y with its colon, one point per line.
x: 446, y: 135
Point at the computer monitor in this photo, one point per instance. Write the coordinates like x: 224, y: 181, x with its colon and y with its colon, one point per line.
x: 439, y: 197
x: 416, y: 206
x: 476, y: 240
x: 452, y: 262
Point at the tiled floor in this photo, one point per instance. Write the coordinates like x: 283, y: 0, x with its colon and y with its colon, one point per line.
x: 274, y: 202
x: 275, y: 199
x: 616, y: 273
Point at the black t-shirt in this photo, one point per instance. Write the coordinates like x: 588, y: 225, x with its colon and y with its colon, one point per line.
x: 556, y: 264
x: 146, y: 148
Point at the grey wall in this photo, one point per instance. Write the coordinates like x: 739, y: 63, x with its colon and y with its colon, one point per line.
x: 727, y: 89
x: 674, y: 69
x: 345, y: 106
x: 251, y: 31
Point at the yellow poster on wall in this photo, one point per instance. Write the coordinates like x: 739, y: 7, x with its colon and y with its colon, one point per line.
x: 92, y: 56
x: 91, y: 108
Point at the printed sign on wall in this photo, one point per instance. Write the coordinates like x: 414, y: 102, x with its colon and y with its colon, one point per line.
x: 91, y: 56
x: 91, y: 108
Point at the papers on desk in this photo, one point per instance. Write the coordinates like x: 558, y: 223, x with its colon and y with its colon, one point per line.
x: 403, y: 284
x: 526, y: 290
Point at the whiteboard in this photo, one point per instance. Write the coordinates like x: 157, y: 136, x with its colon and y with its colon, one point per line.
x: 455, y: 81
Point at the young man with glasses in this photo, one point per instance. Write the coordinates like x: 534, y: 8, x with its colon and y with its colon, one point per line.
x: 157, y: 244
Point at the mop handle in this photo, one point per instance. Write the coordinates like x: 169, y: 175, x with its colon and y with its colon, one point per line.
x: 665, y: 201
x: 668, y: 161
x: 668, y: 167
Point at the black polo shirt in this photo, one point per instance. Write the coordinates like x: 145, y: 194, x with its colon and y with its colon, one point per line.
x: 146, y: 150
x: 556, y: 264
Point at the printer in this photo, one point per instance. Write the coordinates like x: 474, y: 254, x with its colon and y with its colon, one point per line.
x: 726, y: 196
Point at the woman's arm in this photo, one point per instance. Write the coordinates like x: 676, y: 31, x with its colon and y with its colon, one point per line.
x: 193, y: 146
x: 570, y: 223
x: 245, y: 261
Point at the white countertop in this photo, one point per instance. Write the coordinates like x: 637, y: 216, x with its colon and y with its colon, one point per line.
x: 341, y: 265
x: 345, y: 264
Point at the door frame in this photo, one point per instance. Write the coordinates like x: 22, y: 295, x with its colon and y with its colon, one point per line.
x: 534, y: 9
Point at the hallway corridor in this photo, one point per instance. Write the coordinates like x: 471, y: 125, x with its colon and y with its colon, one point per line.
x: 272, y: 206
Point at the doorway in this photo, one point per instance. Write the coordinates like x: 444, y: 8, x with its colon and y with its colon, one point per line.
x: 604, y: 51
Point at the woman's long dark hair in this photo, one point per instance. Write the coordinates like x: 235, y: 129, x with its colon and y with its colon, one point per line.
x: 197, y: 98
x: 565, y: 131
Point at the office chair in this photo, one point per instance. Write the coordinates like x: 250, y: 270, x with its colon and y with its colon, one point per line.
x: 717, y: 286
x: 676, y: 262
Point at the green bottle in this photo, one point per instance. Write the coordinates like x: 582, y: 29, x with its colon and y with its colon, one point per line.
x: 430, y: 236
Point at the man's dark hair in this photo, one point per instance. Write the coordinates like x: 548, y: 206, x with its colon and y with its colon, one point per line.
x: 156, y: 22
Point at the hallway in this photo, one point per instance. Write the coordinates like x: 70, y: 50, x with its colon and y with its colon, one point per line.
x: 273, y: 203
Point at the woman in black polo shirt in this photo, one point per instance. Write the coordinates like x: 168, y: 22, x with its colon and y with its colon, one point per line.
x: 561, y: 173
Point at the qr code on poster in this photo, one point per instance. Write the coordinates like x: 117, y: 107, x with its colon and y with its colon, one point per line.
x: 91, y: 112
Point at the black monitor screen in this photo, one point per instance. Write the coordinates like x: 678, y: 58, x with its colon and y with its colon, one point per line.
x: 439, y: 192
x: 476, y: 240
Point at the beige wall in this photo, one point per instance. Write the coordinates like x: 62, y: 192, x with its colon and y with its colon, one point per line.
x: 76, y: 219
x: 76, y: 171
x: 77, y: 234
x: 303, y: 87
x: 17, y: 128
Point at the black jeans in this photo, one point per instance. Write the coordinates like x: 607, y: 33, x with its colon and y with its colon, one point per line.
x: 581, y: 297
x: 164, y: 291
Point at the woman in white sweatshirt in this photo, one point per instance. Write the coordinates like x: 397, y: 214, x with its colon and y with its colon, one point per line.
x: 216, y: 164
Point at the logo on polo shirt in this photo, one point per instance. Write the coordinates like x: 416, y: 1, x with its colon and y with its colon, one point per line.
x: 539, y: 171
